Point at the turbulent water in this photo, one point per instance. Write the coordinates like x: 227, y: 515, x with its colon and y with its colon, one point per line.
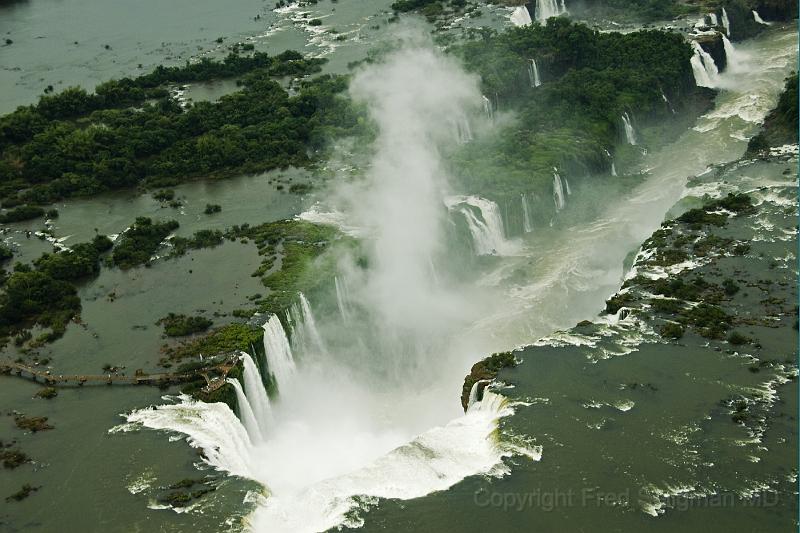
x: 367, y: 397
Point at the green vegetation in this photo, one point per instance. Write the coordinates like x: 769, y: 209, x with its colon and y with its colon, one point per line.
x: 77, y: 144
x: 203, y: 238
x: 140, y: 242
x: 212, y: 208
x: 21, y: 213
x: 671, y: 330
x: 299, y: 246
x: 224, y: 340
x: 182, y: 325
x: 6, y: 253
x: 47, y: 393
x: 590, y: 80
x: 780, y: 126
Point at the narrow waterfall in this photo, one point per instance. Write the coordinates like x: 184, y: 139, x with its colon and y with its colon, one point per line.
x: 246, y: 414
x: 533, y: 73
x: 714, y: 20
x: 521, y: 17
x: 726, y: 22
x: 487, y: 107
x: 613, y: 169
x: 526, y: 215
x: 630, y: 134
x: 342, y: 299
x: 706, y: 73
x: 279, y: 353
x: 758, y: 19
x: 566, y: 186
x: 549, y: 8
x: 473, y: 393
x: 310, y: 325
x: 488, y: 233
x: 256, y: 394
x: 558, y: 191
x: 666, y: 101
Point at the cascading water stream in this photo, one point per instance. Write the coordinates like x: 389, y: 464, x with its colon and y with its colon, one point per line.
x: 558, y: 191
x: 533, y: 73
x: 487, y: 107
x: 549, y: 8
x: 735, y: 58
x: 342, y: 300
x: 310, y: 325
x: 280, y: 359
x: 706, y: 73
x: 726, y: 22
x: 246, y: 414
x: 521, y: 17
x: 256, y: 394
x: 488, y: 233
x: 527, y: 226
x: 758, y: 19
x: 630, y: 134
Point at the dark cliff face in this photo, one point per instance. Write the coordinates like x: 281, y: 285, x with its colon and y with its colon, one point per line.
x: 743, y: 23
x: 776, y: 10
x: 716, y: 48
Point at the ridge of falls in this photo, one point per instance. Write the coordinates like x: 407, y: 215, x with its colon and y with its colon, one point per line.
x: 558, y: 191
x: 706, y: 73
x: 533, y: 73
x: 726, y: 22
x: 488, y: 232
x: 527, y: 226
x: 758, y: 19
x: 521, y: 17
x: 549, y: 8
x: 280, y: 359
x: 630, y: 134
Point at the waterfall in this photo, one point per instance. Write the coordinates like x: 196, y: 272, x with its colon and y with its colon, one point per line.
x: 463, y: 130
x: 533, y: 73
x: 473, y: 394
x: 488, y: 234
x: 310, y: 325
x: 279, y: 353
x: 630, y: 134
x: 342, y: 299
x: 714, y: 20
x: 487, y: 107
x: 735, y: 58
x: 246, y: 414
x: 526, y: 215
x: 613, y: 169
x: 256, y: 394
x: 758, y: 19
x: 566, y: 186
x: 549, y: 8
x: 666, y: 101
x: 521, y: 17
x: 706, y: 73
x: 726, y: 22
x: 558, y: 191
